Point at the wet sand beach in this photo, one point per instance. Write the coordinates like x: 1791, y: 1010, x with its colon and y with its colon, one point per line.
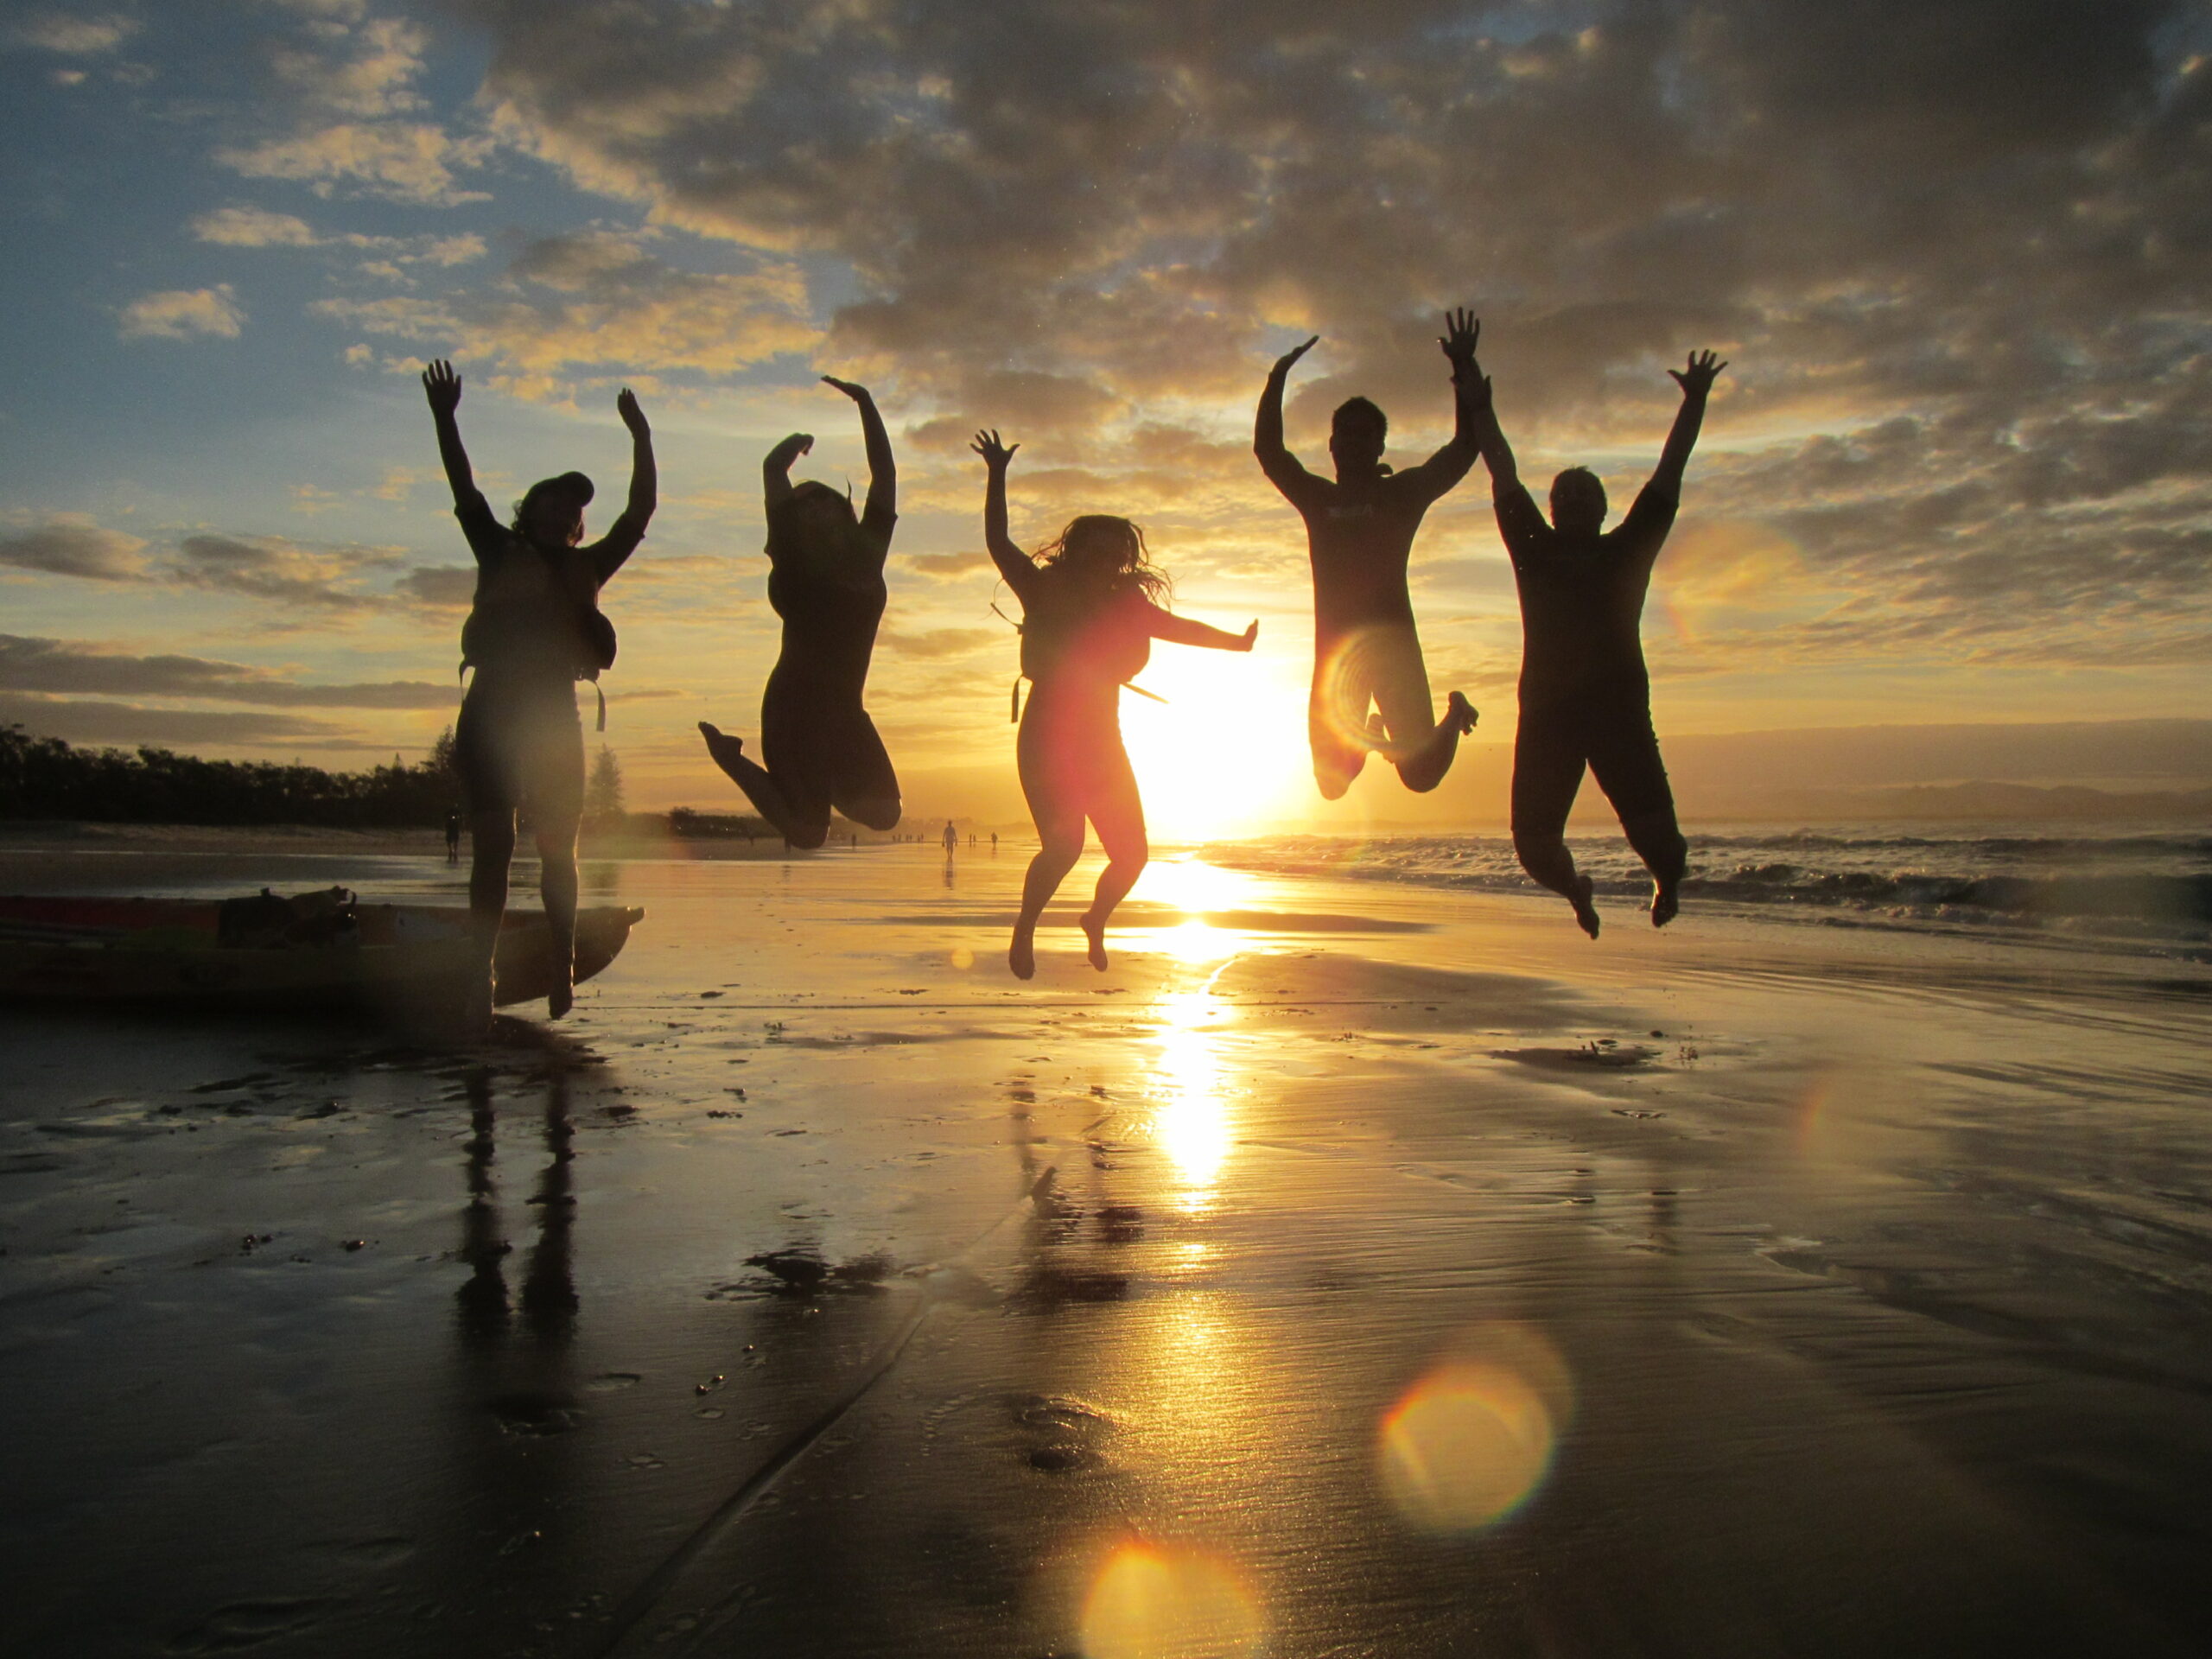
x: 1348, y: 1271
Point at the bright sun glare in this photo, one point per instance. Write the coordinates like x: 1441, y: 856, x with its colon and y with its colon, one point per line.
x: 1226, y: 753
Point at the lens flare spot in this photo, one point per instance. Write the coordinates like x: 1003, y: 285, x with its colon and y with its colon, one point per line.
x: 1473, y: 1441
x: 964, y: 959
x: 1153, y: 1601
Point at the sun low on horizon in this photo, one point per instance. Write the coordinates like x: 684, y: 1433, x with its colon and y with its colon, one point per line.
x: 239, y: 235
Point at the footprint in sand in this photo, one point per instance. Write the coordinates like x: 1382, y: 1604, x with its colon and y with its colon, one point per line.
x: 1058, y: 1435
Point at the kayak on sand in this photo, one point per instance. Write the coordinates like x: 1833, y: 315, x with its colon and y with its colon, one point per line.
x: 313, y: 950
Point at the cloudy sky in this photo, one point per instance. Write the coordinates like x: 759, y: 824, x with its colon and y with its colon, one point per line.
x: 1958, y: 254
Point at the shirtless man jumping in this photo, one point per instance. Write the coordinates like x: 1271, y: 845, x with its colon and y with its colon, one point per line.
x: 1585, y: 696
x: 1359, y: 530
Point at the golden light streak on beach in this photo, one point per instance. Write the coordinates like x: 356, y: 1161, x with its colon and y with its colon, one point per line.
x: 1192, y: 1123
x: 1191, y: 884
x: 1473, y: 1441
x: 1160, y: 1601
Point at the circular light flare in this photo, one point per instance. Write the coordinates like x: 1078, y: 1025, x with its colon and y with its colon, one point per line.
x: 1473, y: 1441
x: 1158, y: 1601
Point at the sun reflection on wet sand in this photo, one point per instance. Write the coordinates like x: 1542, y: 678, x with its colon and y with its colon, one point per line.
x: 1191, y: 1124
x: 1473, y: 1441
x: 1160, y: 1601
x: 1191, y: 884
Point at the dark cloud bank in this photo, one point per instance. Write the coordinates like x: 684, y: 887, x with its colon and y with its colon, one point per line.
x: 1958, y: 252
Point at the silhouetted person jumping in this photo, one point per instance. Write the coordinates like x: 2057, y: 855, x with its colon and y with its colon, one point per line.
x: 1585, y: 696
x: 1359, y: 531
x: 825, y: 579
x: 1089, y: 619
x: 534, y: 631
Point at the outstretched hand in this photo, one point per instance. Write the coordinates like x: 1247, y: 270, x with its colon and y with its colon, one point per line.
x: 442, y: 387
x: 995, y: 454
x: 792, y: 447
x: 1244, y: 639
x: 852, y: 389
x: 1461, y: 331
x: 1696, y: 380
x: 1283, y: 363
x: 626, y: 404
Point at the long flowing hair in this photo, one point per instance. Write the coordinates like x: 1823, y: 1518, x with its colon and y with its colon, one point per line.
x: 1107, y: 554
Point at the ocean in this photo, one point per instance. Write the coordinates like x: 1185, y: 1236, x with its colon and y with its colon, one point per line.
x: 2149, y: 887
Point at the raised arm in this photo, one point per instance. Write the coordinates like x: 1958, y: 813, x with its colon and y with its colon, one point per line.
x: 882, y: 470
x: 776, y: 469
x: 629, y: 528
x: 1449, y: 465
x: 1480, y: 401
x: 645, y: 476
x: 1182, y: 631
x: 1016, y: 566
x: 442, y: 387
x: 1696, y: 382
x: 1281, y: 467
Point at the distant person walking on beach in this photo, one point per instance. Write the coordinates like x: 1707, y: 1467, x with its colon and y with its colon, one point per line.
x: 1089, y: 619
x: 825, y: 579
x: 951, y: 836
x: 534, y: 631
x: 453, y: 835
x: 1585, y: 696
x: 1359, y: 531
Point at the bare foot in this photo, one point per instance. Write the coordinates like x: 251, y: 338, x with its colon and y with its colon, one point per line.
x: 1021, y: 955
x: 1585, y: 912
x: 560, y: 1000
x: 723, y: 747
x: 1666, y: 899
x: 1095, y: 932
x: 1459, y: 712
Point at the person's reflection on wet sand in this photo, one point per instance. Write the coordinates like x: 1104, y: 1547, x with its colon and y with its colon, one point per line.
x: 549, y: 1295
x: 481, y: 1302
x: 549, y: 1289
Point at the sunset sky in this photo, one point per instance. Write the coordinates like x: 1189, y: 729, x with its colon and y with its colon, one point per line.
x: 1960, y: 470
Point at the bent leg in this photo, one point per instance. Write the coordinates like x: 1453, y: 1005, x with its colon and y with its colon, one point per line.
x: 1624, y: 759
x: 1548, y: 762
x: 1339, y: 747
x: 1117, y: 813
x: 801, y: 822
x: 1420, y: 747
x: 1056, y: 806
x: 865, y: 787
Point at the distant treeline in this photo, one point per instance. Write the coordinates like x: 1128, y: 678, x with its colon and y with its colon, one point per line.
x: 46, y: 778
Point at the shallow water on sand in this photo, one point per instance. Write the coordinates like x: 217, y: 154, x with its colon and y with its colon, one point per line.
x: 1345, y: 1271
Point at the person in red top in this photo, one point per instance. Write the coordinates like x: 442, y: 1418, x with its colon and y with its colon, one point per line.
x: 1089, y: 618
x: 534, y: 631
x: 1359, y: 533
x: 1585, y: 695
